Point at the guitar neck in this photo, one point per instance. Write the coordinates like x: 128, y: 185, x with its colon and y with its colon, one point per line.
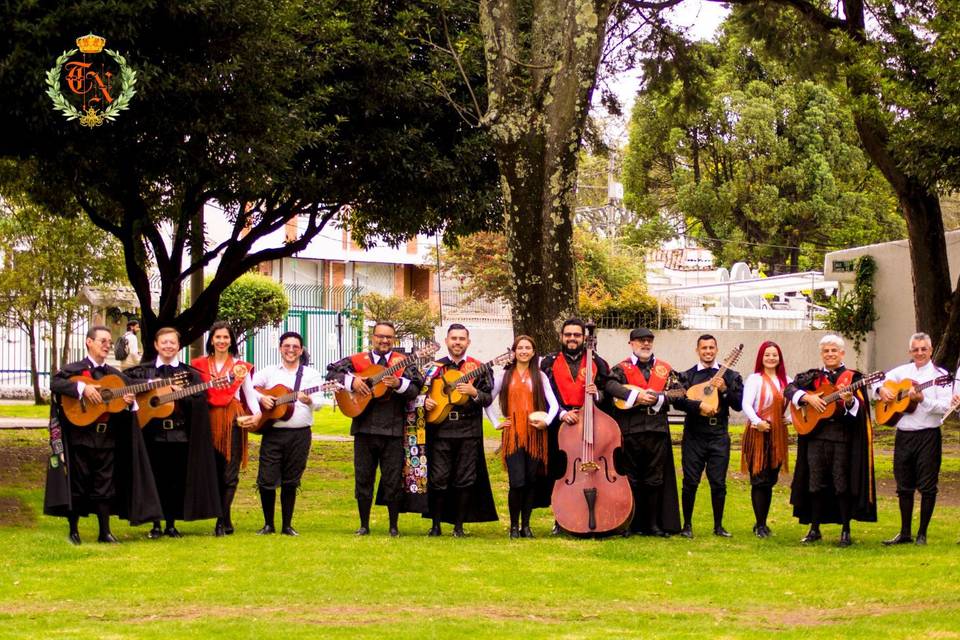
x: 140, y: 387
x: 476, y: 373
x: 192, y: 389
x: 853, y: 386
x: 392, y: 369
x: 288, y: 398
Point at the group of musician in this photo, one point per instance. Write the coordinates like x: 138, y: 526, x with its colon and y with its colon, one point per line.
x: 169, y: 442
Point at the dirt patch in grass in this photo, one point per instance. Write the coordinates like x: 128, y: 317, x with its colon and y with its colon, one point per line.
x: 14, y: 512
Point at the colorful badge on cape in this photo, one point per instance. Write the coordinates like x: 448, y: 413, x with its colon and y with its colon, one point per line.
x: 98, y: 82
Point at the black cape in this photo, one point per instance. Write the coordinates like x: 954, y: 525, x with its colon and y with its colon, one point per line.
x: 863, y: 485
x: 135, y: 498
x: 201, y: 499
x: 668, y: 500
x: 481, y: 508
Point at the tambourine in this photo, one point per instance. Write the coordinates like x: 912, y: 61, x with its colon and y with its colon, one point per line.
x: 540, y: 416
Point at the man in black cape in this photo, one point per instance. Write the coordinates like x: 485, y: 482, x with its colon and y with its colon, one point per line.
x: 100, y: 468
x: 647, y: 449
x: 180, y: 446
x: 458, y: 482
x: 378, y: 431
x: 833, y: 479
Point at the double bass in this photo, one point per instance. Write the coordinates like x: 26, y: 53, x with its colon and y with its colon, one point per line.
x: 591, y: 499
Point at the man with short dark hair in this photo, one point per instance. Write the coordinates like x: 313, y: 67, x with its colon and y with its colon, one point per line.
x: 285, y: 446
x: 458, y: 483
x: 378, y: 431
x: 706, y: 440
x: 99, y: 468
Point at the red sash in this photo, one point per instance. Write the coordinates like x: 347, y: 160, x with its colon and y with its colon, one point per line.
x: 362, y: 361
x: 220, y: 397
x: 572, y: 392
x: 658, y: 375
x: 843, y: 380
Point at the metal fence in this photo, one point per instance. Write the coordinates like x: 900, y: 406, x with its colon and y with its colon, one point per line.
x: 322, y: 315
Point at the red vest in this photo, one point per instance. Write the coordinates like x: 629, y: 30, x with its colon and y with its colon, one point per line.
x: 572, y: 392
x: 843, y: 379
x: 658, y: 375
x: 220, y: 397
x: 362, y: 361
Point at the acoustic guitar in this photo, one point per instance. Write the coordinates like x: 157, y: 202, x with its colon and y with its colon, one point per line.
x: 889, y: 413
x: 669, y: 394
x: 81, y: 412
x: 443, y: 389
x: 284, y: 400
x: 158, y: 403
x: 706, y: 392
x: 806, y: 418
x: 353, y: 404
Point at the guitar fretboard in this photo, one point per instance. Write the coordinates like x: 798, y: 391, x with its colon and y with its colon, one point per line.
x: 192, y: 389
x: 833, y: 397
x: 287, y: 398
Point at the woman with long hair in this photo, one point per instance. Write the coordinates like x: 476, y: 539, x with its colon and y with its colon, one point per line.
x: 233, y: 409
x: 523, y: 392
x: 764, y: 446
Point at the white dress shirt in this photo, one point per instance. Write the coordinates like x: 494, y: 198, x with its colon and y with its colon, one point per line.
x: 936, y: 399
x: 278, y: 374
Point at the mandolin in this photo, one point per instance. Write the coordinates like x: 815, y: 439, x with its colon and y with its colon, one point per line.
x: 443, y: 389
x: 353, y: 404
x: 806, y: 418
x: 284, y: 401
x: 706, y: 392
x: 81, y: 412
x: 158, y: 403
x: 889, y: 413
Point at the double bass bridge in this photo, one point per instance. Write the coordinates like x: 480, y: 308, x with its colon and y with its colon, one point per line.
x: 589, y: 466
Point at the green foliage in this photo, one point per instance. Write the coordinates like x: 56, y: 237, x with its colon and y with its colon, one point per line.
x: 252, y: 302
x: 478, y: 262
x: 410, y: 317
x: 760, y: 165
x: 852, y: 314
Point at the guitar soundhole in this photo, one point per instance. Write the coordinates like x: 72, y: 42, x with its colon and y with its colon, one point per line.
x: 153, y: 402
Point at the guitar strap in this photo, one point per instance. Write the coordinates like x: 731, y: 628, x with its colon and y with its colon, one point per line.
x: 296, y: 384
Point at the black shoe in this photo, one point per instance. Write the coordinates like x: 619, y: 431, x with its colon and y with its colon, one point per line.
x: 171, y: 532
x: 219, y: 531
x: 656, y: 532
x: 266, y: 530
x: 362, y: 531
x: 766, y: 531
x: 845, y: 540
x: 921, y: 539
x: 435, y: 531
x: 899, y: 539
x: 626, y: 533
x: 687, y: 531
x: 74, y: 538
x: 108, y: 538
x: 526, y: 532
x: 394, y: 532
x: 812, y: 536
x: 228, y: 529
x: 758, y: 531
x: 721, y: 532
x: 556, y: 529
x: 514, y: 533
x: 155, y: 533
x: 458, y: 532
x: 289, y: 531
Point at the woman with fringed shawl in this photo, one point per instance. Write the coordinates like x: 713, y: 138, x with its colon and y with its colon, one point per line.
x: 764, y: 446
x: 523, y: 389
x: 233, y: 409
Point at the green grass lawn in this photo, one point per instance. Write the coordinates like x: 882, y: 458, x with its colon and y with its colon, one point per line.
x: 328, y: 583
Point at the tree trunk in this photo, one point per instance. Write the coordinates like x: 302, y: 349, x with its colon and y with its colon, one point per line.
x: 34, y: 373
x: 540, y: 76
x: 196, y: 278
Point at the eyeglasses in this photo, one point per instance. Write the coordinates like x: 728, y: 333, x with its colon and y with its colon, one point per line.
x: 291, y: 347
x: 919, y: 349
x: 572, y: 335
x: 106, y: 341
x: 380, y: 336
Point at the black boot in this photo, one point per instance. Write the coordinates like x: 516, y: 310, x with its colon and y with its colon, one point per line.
x: 288, y: 499
x: 525, y: 512
x: 268, y: 502
x: 717, y: 501
x: 651, y: 499
x: 393, y: 510
x: 155, y: 531
x: 363, y: 508
x: 103, y: 521
x: 906, y: 520
x: 74, y: 535
x: 927, y: 502
x: 171, y: 530
x: 436, y: 497
x: 515, y: 505
x: 463, y: 501
x: 227, y: 505
x: 688, y: 496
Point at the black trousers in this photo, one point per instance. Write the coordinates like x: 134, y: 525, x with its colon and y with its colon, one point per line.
x: 228, y: 471
x: 371, y: 451
x: 169, y: 463
x: 829, y: 463
x: 91, y: 474
x: 916, y: 460
x: 705, y: 451
x: 283, y: 457
x: 454, y: 461
x: 645, y: 456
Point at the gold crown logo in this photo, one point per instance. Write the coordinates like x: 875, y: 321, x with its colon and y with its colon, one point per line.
x: 91, y: 43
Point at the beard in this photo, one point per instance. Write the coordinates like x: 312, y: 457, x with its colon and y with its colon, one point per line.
x: 573, y: 352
